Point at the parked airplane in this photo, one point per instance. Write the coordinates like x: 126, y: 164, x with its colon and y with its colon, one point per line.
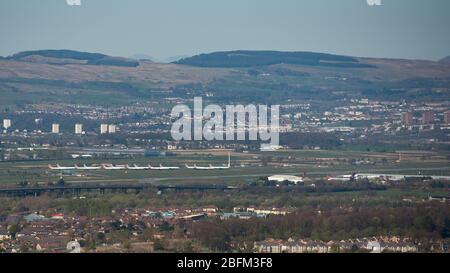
x: 87, y: 168
x: 346, y: 177
x: 211, y: 167
x: 136, y: 167
x: 113, y: 167
x: 190, y: 167
x: 162, y: 168
x: 59, y: 168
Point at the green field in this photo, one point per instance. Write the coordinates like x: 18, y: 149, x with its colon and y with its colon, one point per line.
x: 245, y: 167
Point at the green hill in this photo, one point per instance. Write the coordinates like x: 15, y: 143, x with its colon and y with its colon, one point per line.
x: 72, y: 57
x: 244, y: 76
x: 245, y: 58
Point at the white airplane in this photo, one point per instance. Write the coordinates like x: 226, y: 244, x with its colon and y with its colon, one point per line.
x: 59, y: 168
x: 346, y: 177
x: 211, y: 167
x: 191, y: 167
x: 112, y: 167
x: 369, y: 176
x: 162, y: 168
x: 87, y: 168
x: 338, y: 179
x: 200, y: 168
x: 356, y: 176
x: 136, y: 167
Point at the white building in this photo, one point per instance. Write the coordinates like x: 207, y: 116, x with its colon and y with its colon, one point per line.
x: 6, y: 124
x: 55, y: 128
x: 112, y: 129
x: 283, y: 178
x: 103, y: 129
x: 374, y: 247
x: 78, y: 129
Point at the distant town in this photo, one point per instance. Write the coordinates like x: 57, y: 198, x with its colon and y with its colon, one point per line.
x: 85, y: 178
x: 356, y: 122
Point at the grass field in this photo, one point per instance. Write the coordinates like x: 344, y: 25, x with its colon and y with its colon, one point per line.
x: 245, y: 167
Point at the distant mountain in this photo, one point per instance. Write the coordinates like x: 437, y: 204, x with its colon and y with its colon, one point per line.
x: 174, y: 59
x: 247, y: 58
x: 61, y: 54
x: 143, y: 57
x: 263, y: 76
x: 445, y: 60
x: 63, y: 57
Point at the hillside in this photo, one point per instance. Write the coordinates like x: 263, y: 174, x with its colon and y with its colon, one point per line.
x: 245, y: 58
x: 80, y: 77
x: 445, y: 60
x: 71, y: 57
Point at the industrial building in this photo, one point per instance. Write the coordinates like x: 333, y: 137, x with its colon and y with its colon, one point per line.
x: 284, y: 178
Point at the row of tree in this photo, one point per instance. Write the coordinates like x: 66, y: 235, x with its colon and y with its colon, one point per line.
x: 423, y: 223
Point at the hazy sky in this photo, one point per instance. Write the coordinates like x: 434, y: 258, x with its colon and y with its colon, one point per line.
x: 164, y: 28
